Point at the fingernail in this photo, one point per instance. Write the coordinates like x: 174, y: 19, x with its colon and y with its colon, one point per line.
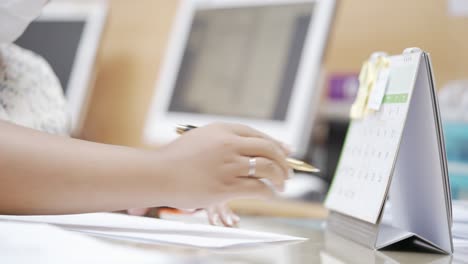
x: 290, y: 173
x: 236, y: 218
x: 229, y: 221
x: 214, y: 219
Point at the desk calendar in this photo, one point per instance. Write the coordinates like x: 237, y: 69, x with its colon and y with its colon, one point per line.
x: 394, y: 155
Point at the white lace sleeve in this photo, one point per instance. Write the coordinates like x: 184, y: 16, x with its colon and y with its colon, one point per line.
x: 30, y: 93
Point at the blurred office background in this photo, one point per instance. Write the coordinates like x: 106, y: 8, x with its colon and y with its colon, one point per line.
x: 136, y: 34
x: 135, y: 39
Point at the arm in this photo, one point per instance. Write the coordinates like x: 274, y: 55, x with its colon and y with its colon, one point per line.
x: 47, y: 174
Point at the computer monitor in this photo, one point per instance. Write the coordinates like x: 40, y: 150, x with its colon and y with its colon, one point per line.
x: 67, y: 35
x: 244, y: 61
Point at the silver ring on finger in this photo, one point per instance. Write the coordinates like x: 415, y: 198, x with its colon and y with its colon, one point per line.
x: 252, y: 167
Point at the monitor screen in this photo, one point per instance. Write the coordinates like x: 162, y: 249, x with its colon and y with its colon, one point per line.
x: 56, y: 41
x: 242, y: 61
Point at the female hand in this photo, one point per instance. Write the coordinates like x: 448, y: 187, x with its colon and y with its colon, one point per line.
x: 210, y: 165
x: 222, y: 214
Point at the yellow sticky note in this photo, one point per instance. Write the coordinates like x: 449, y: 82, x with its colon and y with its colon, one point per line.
x: 366, y: 81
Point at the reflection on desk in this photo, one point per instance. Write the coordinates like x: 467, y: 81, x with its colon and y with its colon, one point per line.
x: 322, y: 247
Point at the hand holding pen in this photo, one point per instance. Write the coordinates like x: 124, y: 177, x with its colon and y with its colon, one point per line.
x: 212, y: 165
x: 293, y: 163
x: 229, y: 161
x: 216, y: 161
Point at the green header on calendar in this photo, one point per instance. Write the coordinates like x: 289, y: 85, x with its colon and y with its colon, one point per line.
x: 395, y: 98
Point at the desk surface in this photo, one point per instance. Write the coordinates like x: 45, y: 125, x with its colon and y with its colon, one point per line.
x: 322, y: 247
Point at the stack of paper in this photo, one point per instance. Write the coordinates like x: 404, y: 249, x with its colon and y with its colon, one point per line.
x: 150, y: 230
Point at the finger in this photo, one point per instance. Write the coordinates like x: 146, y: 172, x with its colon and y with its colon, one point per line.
x: 252, y: 188
x: 213, y: 216
x: 246, y: 131
x: 256, y: 147
x: 224, y: 216
x: 235, y: 218
x: 265, y: 169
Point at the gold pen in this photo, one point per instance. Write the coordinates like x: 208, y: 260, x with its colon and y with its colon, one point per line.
x: 293, y: 163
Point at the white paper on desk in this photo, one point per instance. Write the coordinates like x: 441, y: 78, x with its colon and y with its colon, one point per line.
x: 151, y: 230
x: 39, y: 243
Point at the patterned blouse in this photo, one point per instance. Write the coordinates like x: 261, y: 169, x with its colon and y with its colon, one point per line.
x: 30, y: 93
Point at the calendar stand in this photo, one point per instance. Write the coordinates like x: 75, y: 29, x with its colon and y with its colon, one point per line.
x: 410, y: 207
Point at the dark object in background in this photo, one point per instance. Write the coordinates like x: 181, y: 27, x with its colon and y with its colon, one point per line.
x: 334, y: 143
x: 57, y: 42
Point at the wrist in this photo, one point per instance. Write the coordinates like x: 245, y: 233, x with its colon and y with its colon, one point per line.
x: 157, y: 179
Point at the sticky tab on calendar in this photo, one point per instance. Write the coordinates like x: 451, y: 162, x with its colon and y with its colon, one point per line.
x: 373, y: 80
x: 377, y: 93
x: 365, y: 78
